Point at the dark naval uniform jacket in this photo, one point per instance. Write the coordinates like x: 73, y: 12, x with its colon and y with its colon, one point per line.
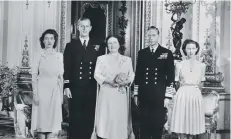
x: 154, y: 72
x: 79, y: 66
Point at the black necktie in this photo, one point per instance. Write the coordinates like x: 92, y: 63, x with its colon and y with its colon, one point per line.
x: 152, y: 51
x: 84, y: 44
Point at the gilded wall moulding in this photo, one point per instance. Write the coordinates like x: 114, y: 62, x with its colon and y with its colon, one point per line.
x: 63, y: 25
x: 147, y: 21
x: 93, y: 4
x: 138, y: 33
x: 109, y: 29
x: 25, y: 54
x: 208, y: 54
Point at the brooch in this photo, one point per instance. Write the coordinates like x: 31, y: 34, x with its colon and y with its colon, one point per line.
x: 163, y: 56
x: 97, y: 47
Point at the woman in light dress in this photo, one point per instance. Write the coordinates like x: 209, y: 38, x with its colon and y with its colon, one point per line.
x: 188, y: 113
x: 47, y: 72
x: 114, y: 73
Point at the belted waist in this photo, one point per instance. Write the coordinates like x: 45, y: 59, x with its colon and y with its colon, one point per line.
x: 192, y: 85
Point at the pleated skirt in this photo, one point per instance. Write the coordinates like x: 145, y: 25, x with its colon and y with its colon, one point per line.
x: 188, y: 111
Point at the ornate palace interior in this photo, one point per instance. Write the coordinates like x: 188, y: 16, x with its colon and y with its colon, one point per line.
x: 208, y: 22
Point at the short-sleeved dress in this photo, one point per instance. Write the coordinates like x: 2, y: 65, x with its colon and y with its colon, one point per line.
x: 47, y: 74
x: 188, y: 112
x: 112, y: 104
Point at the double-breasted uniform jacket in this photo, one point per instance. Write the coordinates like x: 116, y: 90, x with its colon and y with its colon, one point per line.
x: 79, y: 63
x: 154, y: 72
x: 79, y: 66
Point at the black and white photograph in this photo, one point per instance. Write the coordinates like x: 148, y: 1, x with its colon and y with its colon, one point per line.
x: 130, y: 69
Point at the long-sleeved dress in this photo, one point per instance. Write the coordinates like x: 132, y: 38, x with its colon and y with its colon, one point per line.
x: 112, y: 104
x: 188, y: 111
x: 47, y: 71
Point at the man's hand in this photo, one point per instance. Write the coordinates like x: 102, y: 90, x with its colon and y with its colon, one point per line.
x: 166, y: 102
x: 67, y: 92
x: 136, y: 100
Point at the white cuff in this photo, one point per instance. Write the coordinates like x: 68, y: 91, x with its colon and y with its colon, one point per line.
x: 66, y: 81
x: 136, y: 87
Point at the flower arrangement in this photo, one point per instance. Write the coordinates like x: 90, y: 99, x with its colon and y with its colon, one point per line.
x: 119, y: 79
x: 8, y: 79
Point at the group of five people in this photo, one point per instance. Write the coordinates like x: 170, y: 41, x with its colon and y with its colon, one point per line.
x: 103, y: 109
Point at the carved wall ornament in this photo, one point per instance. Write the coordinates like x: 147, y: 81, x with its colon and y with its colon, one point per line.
x: 49, y: 3
x: 207, y: 54
x: 25, y: 54
x: 169, y: 41
x: 208, y: 4
x: 122, y: 23
x: 109, y: 30
x: 94, y: 5
x: 198, y: 20
x: 63, y: 25
x: 27, y: 4
x: 147, y: 21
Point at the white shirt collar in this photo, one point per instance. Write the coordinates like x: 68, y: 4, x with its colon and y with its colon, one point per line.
x: 82, y: 40
x: 153, y: 48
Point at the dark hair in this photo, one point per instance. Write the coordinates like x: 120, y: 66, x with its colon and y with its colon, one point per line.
x: 77, y: 21
x: 188, y: 41
x: 153, y: 27
x: 122, y: 48
x: 49, y: 31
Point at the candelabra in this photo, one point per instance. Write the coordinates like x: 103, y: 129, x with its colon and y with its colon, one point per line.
x: 177, y: 8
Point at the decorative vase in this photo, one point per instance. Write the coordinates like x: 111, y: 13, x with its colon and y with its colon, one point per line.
x: 5, y: 103
x: 215, y: 78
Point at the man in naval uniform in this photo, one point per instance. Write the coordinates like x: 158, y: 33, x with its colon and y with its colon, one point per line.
x: 154, y: 73
x: 80, y: 86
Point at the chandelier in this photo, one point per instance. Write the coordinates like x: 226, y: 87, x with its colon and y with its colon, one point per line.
x: 177, y: 7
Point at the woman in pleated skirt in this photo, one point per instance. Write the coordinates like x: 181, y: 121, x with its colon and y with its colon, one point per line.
x: 188, y: 113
